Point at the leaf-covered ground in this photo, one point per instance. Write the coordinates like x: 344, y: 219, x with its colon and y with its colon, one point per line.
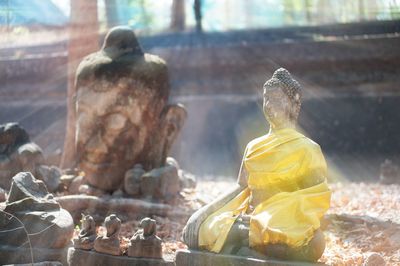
x: 364, y: 219
x: 368, y: 221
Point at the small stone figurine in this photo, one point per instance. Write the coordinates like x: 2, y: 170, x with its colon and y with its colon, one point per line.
x: 87, y: 235
x: 109, y: 244
x: 144, y: 242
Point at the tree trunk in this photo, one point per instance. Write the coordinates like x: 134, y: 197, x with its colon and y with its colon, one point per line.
x: 248, y: 12
x: 307, y: 8
x: 83, y: 40
x: 178, y: 15
x: 288, y: 13
x: 361, y: 10
x: 111, y: 13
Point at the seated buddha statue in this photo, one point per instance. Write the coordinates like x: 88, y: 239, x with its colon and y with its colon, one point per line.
x: 281, y: 193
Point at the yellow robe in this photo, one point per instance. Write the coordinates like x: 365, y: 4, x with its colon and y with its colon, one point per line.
x: 282, y: 163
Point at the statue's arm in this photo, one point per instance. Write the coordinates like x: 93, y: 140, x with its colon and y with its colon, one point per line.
x: 242, y: 177
x: 313, y: 179
x: 317, y: 173
x: 191, y: 231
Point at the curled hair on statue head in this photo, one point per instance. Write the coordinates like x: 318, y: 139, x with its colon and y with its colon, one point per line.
x: 284, y: 80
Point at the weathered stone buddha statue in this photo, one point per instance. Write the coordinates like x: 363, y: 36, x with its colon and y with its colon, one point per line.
x: 282, y: 192
x: 109, y: 244
x: 87, y: 234
x: 123, y: 117
x: 145, y: 243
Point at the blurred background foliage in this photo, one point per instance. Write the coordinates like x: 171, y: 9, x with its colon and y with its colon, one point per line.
x: 152, y: 17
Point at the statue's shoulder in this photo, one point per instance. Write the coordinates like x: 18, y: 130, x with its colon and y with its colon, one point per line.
x: 154, y: 63
x: 154, y: 60
x: 90, y: 63
x: 149, y: 66
x: 294, y: 138
x: 311, y: 143
x: 311, y: 146
x: 256, y: 142
x: 302, y: 140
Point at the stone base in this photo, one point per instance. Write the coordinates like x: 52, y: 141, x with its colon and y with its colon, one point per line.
x: 199, y: 258
x: 78, y: 257
x: 21, y: 255
x: 43, y: 263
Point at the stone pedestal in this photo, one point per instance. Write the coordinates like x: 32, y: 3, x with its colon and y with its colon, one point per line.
x: 43, y: 263
x: 23, y: 255
x: 79, y: 257
x: 199, y: 258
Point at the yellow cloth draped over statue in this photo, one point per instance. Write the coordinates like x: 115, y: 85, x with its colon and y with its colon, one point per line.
x: 291, y: 169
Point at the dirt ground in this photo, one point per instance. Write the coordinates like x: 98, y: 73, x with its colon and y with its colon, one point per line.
x: 364, y: 219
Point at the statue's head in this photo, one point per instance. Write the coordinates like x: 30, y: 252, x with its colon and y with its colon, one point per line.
x: 113, y: 225
x: 114, y: 127
x: 122, y: 114
x: 121, y: 40
x: 282, y: 99
x: 149, y: 226
x: 88, y: 223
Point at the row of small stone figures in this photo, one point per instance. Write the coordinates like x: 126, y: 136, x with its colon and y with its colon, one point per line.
x: 144, y: 243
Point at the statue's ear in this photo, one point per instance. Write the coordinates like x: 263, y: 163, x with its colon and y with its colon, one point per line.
x: 173, y: 117
x: 175, y: 114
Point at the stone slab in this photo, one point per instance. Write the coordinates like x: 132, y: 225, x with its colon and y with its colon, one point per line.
x: 22, y: 255
x: 199, y: 258
x: 79, y: 257
x: 43, y: 263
